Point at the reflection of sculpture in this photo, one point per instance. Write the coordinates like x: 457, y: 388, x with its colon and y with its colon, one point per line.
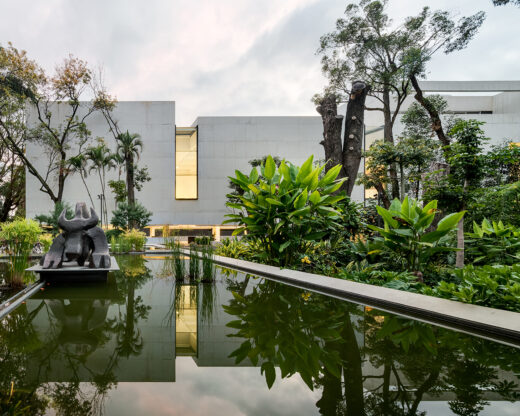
x: 81, y: 241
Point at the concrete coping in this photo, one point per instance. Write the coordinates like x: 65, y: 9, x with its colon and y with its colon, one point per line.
x: 494, y: 324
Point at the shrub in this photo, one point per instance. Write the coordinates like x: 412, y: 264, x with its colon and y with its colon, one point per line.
x: 19, y: 236
x: 493, y: 243
x: 126, y: 214
x: 136, y: 239
x: 285, y: 207
x: 46, y: 241
x: 406, y: 234
x: 493, y: 286
x: 51, y: 219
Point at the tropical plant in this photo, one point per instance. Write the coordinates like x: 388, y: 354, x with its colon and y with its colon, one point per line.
x: 493, y: 286
x: 19, y: 236
x: 118, y: 189
x: 129, y: 147
x: 78, y: 164
x: 281, y: 207
x: 233, y: 248
x: 406, y: 234
x: 125, y: 215
x: 46, y: 241
x: 493, y: 243
x: 101, y: 160
x: 51, y: 219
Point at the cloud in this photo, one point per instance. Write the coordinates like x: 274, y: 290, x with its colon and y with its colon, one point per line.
x: 231, y: 57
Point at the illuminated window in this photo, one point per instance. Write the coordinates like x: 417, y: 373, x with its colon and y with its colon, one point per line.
x: 186, y: 163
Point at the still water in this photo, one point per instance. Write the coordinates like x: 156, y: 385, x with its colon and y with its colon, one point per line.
x: 143, y: 344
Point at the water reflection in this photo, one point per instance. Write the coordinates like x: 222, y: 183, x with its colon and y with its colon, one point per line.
x: 67, y: 349
x: 367, y: 362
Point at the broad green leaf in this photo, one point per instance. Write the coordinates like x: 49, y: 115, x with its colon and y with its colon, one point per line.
x: 301, y: 200
x: 270, y: 373
x: 253, y: 176
x: 304, y: 170
x: 284, y: 246
x: 300, y: 212
x: 254, y: 188
x: 284, y: 169
x: 274, y: 202
x: 405, y: 207
x: 315, y: 197
x: 270, y: 167
x: 330, y: 176
x: 450, y: 222
x: 387, y: 217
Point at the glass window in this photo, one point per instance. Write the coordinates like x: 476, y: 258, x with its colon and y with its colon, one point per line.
x: 186, y: 184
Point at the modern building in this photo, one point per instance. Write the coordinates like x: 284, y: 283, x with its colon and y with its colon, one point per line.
x: 189, y: 166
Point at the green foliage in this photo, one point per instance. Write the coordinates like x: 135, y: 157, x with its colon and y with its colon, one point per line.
x: 46, y: 241
x: 208, y: 265
x: 286, y: 207
x: 19, y: 237
x: 194, y: 266
x: 493, y: 243
x: 406, y: 234
x: 235, y: 249
x: 51, y: 219
x: 118, y: 189
x: 493, y: 286
x: 498, y: 202
x: 136, y: 239
x: 126, y: 214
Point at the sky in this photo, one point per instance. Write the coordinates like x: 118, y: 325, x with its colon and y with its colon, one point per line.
x: 230, y: 57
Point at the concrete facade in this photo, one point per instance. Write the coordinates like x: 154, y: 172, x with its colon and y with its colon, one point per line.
x: 228, y: 143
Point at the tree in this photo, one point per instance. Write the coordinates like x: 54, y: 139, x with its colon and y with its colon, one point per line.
x: 79, y: 164
x: 391, y: 58
x: 129, y: 147
x: 26, y: 90
x: 128, y: 216
x: 101, y: 160
x: 505, y: 2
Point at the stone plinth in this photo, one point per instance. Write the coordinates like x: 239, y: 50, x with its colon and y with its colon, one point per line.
x: 71, y: 272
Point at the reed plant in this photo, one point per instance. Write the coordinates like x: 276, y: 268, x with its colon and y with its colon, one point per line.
x: 179, y: 267
x: 19, y: 237
x: 194, y: 271
x: 208, y: 266
x: 208, y: 301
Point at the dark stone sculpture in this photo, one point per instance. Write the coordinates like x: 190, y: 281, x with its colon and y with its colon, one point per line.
x: 80, y: 241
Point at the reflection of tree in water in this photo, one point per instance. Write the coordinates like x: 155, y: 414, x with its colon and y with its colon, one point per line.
x: 315, y: 336
x: 78, y: 327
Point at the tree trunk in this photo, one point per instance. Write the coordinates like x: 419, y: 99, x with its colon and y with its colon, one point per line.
x: 431, y: 110
x: 130, y: 180
x: 332, y: 124
x: 459, y: 261
x: 354, y: 133
x: 389, y: 138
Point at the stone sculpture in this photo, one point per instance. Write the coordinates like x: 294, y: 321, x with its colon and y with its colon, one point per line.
x: 81, y: 241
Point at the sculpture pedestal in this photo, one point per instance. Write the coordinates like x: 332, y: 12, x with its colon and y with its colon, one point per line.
x: 71, y: 272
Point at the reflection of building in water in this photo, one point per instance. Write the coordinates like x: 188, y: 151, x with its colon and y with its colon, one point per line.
x: 186, y: 320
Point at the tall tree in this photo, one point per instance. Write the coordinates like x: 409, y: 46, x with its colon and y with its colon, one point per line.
x: 129, y: 147
x: 391, y: 58
x: 57, y: 113
x: 101, y: 160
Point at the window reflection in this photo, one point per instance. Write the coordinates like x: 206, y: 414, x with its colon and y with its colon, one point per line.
x: 186, y: 163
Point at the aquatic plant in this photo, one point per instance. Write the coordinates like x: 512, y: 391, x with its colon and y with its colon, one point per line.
x: 194, y: 266
x: 19, y: 237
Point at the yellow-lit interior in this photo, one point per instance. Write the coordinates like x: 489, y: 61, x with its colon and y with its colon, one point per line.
x: 186, y: 163
x: 186, y: 321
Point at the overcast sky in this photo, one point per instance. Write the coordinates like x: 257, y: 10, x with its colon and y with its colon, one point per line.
x: 230, y: 57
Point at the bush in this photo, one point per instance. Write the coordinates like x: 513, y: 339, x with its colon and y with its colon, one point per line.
x: 125, y: 214
x: 19, y: 236
x: 493, y: 286
x: 405, y: 233
x: 51, y: 219
x: 285, y: 207
x: 493, y: 243
x: 46, y: 241
x: 136, y: 239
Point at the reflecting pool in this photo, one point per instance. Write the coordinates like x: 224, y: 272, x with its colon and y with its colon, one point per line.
x: 143, y: 344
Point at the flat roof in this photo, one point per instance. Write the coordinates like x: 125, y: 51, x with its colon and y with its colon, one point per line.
x: 470, y: 86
